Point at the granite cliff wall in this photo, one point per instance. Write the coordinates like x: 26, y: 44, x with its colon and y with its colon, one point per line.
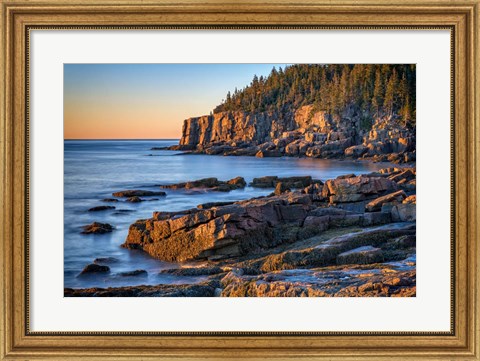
x: 301, y: 132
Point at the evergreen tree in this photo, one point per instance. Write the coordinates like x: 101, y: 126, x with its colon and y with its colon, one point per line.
x: 385, y: 89
x: 378, y: 92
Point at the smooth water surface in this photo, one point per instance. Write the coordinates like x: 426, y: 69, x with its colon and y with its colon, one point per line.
x: 95, y: 169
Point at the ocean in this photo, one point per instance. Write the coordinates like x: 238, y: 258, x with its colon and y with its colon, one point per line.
x: 94, y: 169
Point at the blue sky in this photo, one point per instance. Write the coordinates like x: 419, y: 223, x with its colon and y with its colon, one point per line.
x: 146, y: 100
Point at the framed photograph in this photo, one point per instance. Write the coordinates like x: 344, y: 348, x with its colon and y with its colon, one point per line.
x: 239, y: 180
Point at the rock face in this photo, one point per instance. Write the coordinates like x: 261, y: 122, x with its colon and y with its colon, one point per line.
x: 300, y: 132
x: 219, y: 231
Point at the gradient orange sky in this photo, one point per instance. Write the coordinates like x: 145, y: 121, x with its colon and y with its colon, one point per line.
x: 146, y: 101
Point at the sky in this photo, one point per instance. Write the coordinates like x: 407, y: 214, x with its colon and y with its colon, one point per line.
x: 146, y: 101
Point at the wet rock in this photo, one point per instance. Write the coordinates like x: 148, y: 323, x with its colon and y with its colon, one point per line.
x: 361, y: 255
x: 288, y: 182
x: 238, y: 182
x: 264, y: 182
x: 123, y: 212
x: 268, y: 154
x: 97, y: 228
x: 109, y: 200
x: 210, y: 183
x: 137, y: 193
x: 106, y: 260
x: 134, y: 199
x: 136, y: 273
x: 94, y: 269
x: 281, y: 188
x: 100, y: 208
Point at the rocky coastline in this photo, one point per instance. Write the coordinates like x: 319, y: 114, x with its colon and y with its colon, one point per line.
x: 304, y: 132
x: 350, y: 236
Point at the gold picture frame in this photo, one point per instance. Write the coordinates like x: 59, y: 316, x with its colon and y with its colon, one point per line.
x: 20, y: 16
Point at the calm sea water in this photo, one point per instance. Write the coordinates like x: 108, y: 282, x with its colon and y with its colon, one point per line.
x: 95, y: 169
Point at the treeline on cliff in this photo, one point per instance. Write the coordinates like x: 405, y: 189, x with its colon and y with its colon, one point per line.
x: 378, y: 89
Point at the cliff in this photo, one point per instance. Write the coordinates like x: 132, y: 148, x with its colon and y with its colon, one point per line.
x: 301, y: 132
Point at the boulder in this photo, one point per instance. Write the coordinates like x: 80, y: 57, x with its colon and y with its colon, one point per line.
x: 100, y: 208
x: 281, y: 188
x: 356, y: 151
x: 93, y: 269
x: 264, y: 182
x: 238, y: 182
x: 106, y: 260
x: 292, y: 149
x: 356, y: 188
x: 314, y: 151
x: 312, y: 137
x: 268, y: 154
x: 289, y: 182
x: 97, y: 228
x: 411, y: 199
x: 109, y: 200
x: 296, y: 182
x: 134, y: 199
x: 201, y: 183
x: 377, y: 203
x: 406, y: 175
